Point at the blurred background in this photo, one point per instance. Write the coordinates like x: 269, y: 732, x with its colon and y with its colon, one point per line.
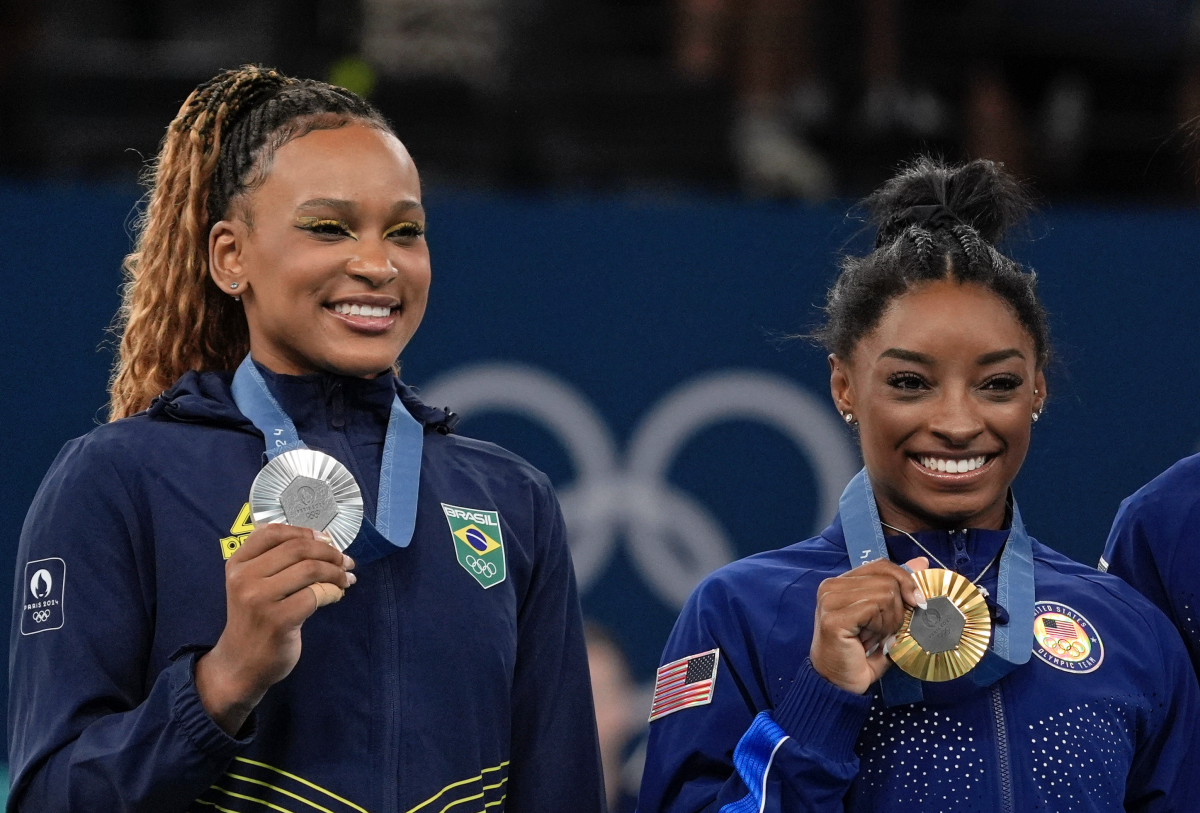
x: 631, y: 202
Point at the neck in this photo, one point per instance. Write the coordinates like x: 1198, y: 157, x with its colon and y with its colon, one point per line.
x: 913, y: 519
x: 284, y: 364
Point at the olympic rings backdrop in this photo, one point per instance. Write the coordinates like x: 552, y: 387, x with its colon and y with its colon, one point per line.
x: 629, y: 348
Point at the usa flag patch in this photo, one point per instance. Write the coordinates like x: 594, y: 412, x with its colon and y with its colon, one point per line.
x: 685, y: 683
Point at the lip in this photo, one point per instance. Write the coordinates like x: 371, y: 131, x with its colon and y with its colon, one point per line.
x: 368, y: 325
x: 956, y: 477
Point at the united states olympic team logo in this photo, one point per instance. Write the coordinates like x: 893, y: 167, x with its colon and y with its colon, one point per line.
x: 674, y: 541
x: 1065, y: 639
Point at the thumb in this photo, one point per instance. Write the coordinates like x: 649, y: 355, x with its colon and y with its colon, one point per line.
x: 909, y: 588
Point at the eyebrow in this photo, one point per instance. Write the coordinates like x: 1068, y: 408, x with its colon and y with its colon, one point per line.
x: 994, y: 357
x: 349, y: 205
x: 906, y: 355
x: 998, y: 356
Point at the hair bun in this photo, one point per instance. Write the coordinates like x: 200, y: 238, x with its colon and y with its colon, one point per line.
x: 930, y: 193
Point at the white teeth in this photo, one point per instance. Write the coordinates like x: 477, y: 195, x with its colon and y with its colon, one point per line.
x: 362, y: 310
x: 952, y: 466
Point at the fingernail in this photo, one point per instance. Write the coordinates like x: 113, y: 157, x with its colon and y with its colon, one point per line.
x: 874, y: 647
x: 351, y: 578
x: 921, y: 602
x: 888, y: 643
x: 321, y: 536
x: 347, y: 562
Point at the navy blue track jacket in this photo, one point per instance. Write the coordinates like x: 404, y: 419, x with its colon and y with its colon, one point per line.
x: 1155, y: 546
x: 1113, y: 726
x: 419, y: 692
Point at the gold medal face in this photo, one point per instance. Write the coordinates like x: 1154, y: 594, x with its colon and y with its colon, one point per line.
x: 948, y: 638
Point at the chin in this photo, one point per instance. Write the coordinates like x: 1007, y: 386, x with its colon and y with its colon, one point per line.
x: 360, y: 365
x: 952, y: 510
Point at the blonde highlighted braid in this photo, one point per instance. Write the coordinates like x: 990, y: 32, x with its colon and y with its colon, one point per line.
x: 173, y: 318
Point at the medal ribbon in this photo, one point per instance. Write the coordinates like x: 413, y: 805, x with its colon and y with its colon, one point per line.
x: 399, y: 473
x: 1011, y: 644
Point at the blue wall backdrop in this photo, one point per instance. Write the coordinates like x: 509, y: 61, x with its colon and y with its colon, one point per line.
x: 625, y: 347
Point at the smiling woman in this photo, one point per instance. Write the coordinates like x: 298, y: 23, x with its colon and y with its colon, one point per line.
x: 986, y: 673
x: 384, y: 616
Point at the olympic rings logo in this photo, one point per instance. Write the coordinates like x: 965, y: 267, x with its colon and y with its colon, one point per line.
x: 674, y: 541
x: 41, y: 616
x: 481, y: 567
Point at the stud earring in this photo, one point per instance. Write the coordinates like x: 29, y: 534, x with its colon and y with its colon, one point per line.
x: 848, y: 417
x: 233, y: 286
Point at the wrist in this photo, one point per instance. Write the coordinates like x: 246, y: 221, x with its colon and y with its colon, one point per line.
x: 228, y: 698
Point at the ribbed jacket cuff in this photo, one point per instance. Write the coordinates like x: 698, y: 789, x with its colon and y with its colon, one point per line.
x: 191, y: 716
x: 819, y: 715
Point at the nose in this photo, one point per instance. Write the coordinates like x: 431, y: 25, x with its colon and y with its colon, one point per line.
x: 371, y: 263
x: 956, y: 421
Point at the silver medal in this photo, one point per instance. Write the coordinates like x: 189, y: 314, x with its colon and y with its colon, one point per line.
x: 308, y: 489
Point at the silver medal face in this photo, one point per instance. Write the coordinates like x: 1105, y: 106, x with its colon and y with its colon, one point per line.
x: 308, y: 489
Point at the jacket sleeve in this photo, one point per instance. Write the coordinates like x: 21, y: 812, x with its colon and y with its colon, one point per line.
x: 737, y: 754
x: 1165, y: 774
x: 1129, y: 553
x: 555, y: 756
x: 90, y: 727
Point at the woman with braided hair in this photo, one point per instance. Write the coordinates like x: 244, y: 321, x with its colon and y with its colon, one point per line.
x: 394, y: 627
x: 924, y: 654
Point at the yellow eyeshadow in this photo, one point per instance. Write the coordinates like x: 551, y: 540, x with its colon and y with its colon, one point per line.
x: 316, y: 222
x: 416, y: 228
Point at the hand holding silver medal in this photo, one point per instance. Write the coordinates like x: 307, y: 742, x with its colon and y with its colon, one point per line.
x: 309, y: 489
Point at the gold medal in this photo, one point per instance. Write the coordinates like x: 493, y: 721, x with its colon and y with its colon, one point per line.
x: 950, y: 636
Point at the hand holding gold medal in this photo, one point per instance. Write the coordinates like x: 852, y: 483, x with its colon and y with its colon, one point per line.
x: 949, y: 636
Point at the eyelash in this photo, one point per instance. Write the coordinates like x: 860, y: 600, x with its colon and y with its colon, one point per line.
x: 899, y: 380
x: 1007, y: 381
x: 409, y: 230
x: 1004, y: 383
x: 325, y: 228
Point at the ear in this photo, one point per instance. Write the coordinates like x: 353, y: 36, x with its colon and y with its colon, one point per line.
x: 839, y: 385
x: 1039, y: 384
x: 226, y: 240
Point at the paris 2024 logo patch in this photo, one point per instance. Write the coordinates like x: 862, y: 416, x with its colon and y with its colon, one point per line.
x: 42, y: 608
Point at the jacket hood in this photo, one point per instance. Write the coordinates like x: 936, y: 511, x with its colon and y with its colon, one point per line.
x: 206, y: 397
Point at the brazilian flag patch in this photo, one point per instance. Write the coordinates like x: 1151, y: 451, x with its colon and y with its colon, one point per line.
x: 477, y: 543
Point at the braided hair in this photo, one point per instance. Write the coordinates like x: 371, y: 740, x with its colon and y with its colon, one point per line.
x: 935, y: 222
x: 219, y: 147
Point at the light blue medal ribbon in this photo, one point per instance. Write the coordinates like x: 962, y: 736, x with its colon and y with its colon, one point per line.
x: 1011, y: 644
x: 399, y: 473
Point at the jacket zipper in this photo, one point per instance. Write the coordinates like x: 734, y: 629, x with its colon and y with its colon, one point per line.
x: 1006, y: 790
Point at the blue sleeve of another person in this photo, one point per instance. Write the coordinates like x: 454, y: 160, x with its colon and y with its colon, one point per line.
x: 738, y: 754
x: 1154, y: 545
x: 86, y: 730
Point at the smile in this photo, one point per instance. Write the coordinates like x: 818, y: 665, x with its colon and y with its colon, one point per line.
x: 347, y: 309
x: 953, y: 465
x: 372, y: 315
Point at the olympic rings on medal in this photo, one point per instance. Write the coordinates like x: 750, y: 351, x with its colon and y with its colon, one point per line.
x: 41, y: 616
x: 673, y: 540
x: 481, y: 567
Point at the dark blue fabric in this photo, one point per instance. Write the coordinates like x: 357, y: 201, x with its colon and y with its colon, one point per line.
x: 418, y: 686
x: 1155, y: 546
x: 1122, y: 737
